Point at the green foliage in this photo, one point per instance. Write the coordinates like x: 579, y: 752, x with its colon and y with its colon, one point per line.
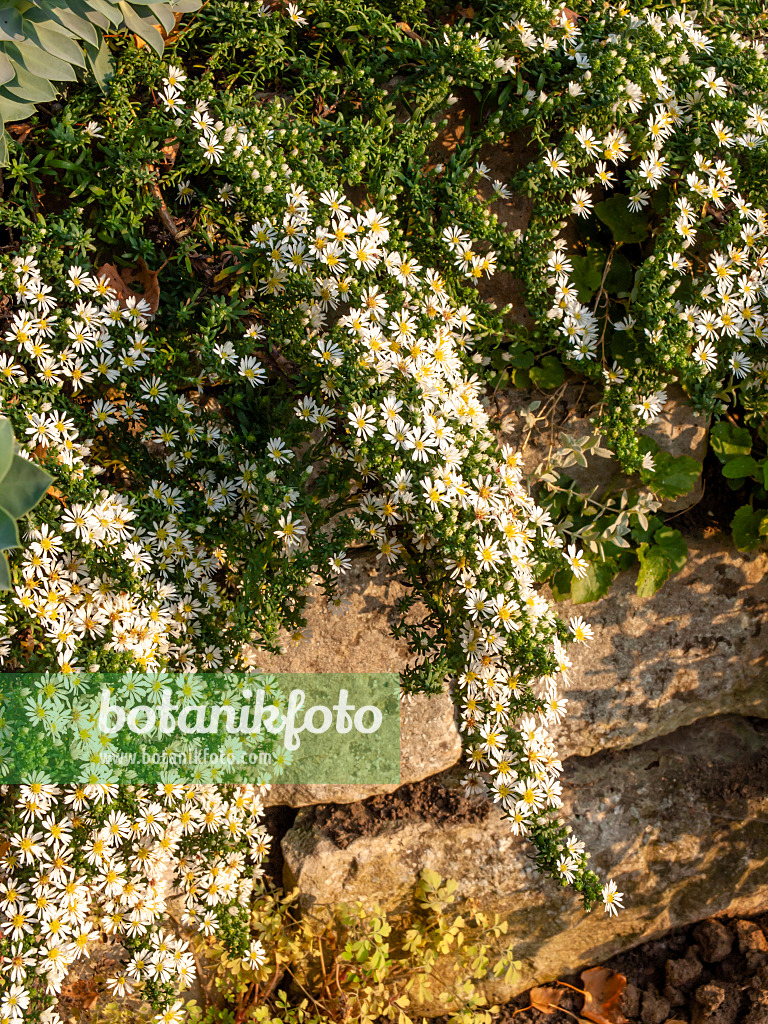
x: 672, y: 475
x: 22, y: 486
x: 50, y: 41
x: 624, y: 225
x: 352, y: 962
x: 745, y: 463
x: 660, y: 556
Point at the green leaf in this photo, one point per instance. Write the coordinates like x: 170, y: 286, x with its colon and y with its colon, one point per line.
x: 728, y: 440
x: 186, y: 6
x: 29, y: 88
x: 57, y: 44
x: 620, y: 276
x: 600, y: 576
x: 143, y: 28
x: 6, y: 69
x: 741, y: 466
x: 69, y: 20
x: 40, y: 63
x: 674, y: 476
x: 5, y: 574
x: 745, y: 528
x: 624, y: 225
x: 673, y: 545
x: 100, y: 13
x: 549, y: 374
x: 6, y: 446
x: 640, y: 535
x: 102, y: 64
x: 164, y: 16
x: 655, y: 569
x: 587, y: 274
x: 10, y: 25
x: 12, y: 109
x: 4, y: 149
x: 23, y: 486
x: 9, y: 532
x: 520, y: 356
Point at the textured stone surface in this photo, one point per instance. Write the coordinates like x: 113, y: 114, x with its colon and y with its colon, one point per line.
x: 360, y: 641
x: 429, y: 743
x: 678, y: 822
x: 679, y: 430
x: 357, y: 641
x: 698, y: 647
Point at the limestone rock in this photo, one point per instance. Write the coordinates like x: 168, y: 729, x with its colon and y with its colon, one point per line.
x: 360, y: 641
x: 679, y: 430
x: 696, y: 648
x: 678, y: 822
x: 429, y: 743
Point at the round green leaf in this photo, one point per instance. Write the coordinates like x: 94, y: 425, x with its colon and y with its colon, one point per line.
x: 624, y: 225
x: 745, y: 528
x: 741, y: 466
x: 728, y: 440
x: 655, y: 569
x: 550, y: 374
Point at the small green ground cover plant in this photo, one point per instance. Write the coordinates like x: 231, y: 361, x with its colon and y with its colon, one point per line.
x: 329, y: 965
x: 243, y: 332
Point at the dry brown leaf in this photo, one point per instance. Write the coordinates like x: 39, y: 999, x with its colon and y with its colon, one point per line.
x: 602, y: 993
x: 466, y: 12
x: 544, y: 999
x: 121, y: 282
x: 406, y: 29
x: 56, y: 493
x: 170, y: 150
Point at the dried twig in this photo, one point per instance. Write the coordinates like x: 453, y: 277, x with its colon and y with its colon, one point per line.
x: 165, y: 216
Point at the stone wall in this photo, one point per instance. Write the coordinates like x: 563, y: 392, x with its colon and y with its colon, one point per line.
x: 666, y: 777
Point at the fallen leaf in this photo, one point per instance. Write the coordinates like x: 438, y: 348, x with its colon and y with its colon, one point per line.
x: 406, y: 29
x: 546, y: 1000
x: 120, y: 281
x: 602, y: 993
x: 466, y: 12
x: 56, y: 493
x: 169, y: 150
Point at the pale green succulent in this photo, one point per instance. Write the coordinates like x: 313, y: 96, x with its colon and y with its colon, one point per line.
x: 45, y: 41
x: 22, y: 485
